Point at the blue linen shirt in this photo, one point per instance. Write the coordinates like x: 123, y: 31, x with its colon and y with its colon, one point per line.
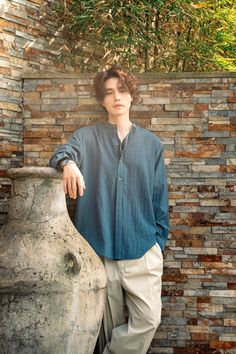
x: 124, y: 209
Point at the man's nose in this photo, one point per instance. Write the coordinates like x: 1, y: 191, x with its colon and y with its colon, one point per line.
x: 117, y: 96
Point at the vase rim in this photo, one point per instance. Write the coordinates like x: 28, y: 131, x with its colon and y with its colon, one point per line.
x: 34, y: 172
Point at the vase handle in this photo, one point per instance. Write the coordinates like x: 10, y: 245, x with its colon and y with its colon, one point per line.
x: 72, y: 265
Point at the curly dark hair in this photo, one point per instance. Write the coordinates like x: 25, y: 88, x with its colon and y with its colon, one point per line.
x: 126, y: 80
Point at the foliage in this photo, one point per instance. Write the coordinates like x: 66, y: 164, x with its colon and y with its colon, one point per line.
x: 153, y: 35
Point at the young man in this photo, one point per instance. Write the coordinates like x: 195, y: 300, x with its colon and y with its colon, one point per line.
x: 116, y: 171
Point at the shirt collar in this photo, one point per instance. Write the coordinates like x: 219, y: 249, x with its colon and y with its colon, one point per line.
x: 113, y: 126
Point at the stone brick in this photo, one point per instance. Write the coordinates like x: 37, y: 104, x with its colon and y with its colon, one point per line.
x: 5, y: 71
x: 221, y: 93
x: 159, y: 127
x: 198, y: 329
x: 182, y: 100
x: 204, y: 337
x: 201, y: 107
x: 231, y: 99
x: 43, y: 121
x: 203, y: 100
x: 179, y: 107
x: 223, y: 127
x: 201, y: 251
x: 194, y: 294
x: 220, y: 106
x: 224, y: 113
x: 214, y: 202
x: 33, y: 95
x: 222, y: 344
x: 156, y: 100
x: 223, y: 293
x: 230, y: 322
x: 209, y: 258
x: 33, y: 147
x: 38, y: 134
x: 203, y: 152
x: 174, y: 121
x: 192, y: 271
x: 58, y: 94
x: 205, y: 168
x: 10, y: 106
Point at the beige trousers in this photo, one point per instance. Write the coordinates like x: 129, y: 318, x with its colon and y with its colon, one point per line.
x: 136, y: 283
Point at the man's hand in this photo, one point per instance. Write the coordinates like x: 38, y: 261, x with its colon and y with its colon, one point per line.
x: 73, y: 181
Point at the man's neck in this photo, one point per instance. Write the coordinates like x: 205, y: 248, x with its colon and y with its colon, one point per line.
x: 123, y: 124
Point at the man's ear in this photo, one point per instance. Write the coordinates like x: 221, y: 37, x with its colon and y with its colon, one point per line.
x: 103, y: 106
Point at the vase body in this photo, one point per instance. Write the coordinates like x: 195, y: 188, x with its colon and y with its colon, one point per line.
x: 52, y: 283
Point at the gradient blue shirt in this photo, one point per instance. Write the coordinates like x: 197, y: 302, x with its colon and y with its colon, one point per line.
x: 124, y: 210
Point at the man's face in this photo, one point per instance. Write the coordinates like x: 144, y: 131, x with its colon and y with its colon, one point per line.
x: 117, y: 100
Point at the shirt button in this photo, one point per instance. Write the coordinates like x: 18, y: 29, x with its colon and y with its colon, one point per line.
x: 119, y: 179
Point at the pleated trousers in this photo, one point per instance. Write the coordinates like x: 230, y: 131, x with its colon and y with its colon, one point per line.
x: 133, y: 303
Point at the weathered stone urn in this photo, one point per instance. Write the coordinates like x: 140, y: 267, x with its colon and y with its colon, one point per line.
x: 52, y: 283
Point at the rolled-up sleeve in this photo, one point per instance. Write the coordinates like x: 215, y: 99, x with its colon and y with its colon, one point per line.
x: 72, y: 150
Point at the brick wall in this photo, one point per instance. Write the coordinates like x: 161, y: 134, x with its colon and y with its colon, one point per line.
x: 193, y: 114
x: 30, y: 39
x: 195, y: 117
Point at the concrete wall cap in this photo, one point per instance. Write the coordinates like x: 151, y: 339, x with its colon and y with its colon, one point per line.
x: 158, y: 75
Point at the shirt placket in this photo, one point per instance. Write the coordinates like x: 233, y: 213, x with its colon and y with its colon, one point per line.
x: 120, y: 184
x: 119, y: 208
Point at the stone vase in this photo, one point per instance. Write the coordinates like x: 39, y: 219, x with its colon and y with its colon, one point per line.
x: 52, y: 283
